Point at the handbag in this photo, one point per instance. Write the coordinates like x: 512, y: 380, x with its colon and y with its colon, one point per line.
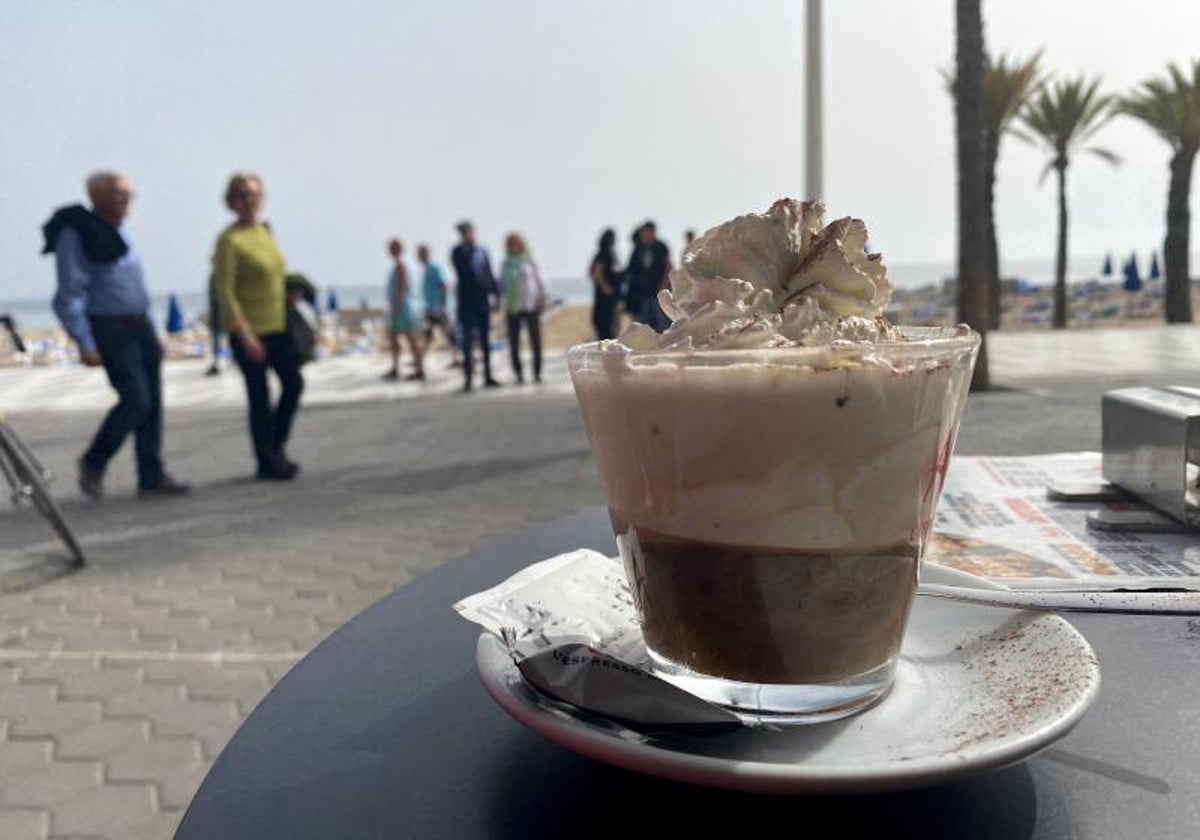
x: 302, y: 324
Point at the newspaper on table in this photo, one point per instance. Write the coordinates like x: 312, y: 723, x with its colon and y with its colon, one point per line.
x: 996, y: 521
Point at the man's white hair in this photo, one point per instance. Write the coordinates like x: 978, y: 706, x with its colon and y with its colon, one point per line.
x: 98, y: 182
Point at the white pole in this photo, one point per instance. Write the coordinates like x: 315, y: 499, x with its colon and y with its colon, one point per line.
x: 814, y: 166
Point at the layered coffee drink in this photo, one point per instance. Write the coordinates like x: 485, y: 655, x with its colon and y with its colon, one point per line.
x: 772, y: 462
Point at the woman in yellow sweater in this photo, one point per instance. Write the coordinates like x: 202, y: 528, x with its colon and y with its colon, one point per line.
x: 250, y: 286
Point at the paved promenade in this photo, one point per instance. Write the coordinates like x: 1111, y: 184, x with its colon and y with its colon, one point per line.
x: 119, y: 685
x: 1023, y: 357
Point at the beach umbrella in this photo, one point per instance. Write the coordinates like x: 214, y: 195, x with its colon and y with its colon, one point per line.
x: 1154, y: 272
x: 1133, y: 279
x: 331, y: 301
x: 1107, y: 270
x: 174, y: 316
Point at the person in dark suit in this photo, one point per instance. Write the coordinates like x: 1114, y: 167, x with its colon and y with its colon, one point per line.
x: 478, y: 295
x: 649, y: 268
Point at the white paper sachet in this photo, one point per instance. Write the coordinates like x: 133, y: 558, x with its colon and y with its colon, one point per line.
x: 580, y: 596
x: 571, y: 626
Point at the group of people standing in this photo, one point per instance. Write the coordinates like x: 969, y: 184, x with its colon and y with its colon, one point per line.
x: 102, y: 302
x: 520, y: 292
x: 636, y: 286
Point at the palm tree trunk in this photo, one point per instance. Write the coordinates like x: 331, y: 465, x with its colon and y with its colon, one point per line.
x: 972, y: 181
x: 1175, y: 246
x: 1060, y: 258
x: 993, y: 252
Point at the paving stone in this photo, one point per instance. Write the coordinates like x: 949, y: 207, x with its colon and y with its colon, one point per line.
x: 101, y: 739
x: 244, y: 684
x: 105, y: 811
x: 50, y: 784
x: 230, y: 637
x: 175, y: 765
x: 81, y: 680
x: 18, y: 824
x: 171, y: 712
x: 36, y: 710
x: 17, y: 757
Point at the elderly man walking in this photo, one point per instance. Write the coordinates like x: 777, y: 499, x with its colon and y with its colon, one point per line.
x: 103, y: 305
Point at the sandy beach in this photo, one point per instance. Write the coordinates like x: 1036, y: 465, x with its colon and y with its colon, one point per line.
x: 359, y: 332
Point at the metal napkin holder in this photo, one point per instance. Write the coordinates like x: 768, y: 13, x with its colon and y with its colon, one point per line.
x: 1150, y: 443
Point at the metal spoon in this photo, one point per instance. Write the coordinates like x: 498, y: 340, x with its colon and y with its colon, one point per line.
x: 1120, y: 602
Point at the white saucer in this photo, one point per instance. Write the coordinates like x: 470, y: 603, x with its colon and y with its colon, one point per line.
x: 976, y: 688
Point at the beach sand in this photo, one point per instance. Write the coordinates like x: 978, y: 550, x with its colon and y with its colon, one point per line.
x: 362, y: 331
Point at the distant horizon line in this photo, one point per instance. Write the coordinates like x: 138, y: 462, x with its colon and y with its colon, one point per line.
x: 945, y: 269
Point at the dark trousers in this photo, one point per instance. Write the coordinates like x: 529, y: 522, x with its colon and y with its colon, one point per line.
x: 132, y: 359
x: 604, y: 317
x: 269, y: 429
x: 533, y: 322
x: 473, y: 324
x: 438, y: 319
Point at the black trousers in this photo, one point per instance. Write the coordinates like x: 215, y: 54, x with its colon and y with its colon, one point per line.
x: 438, y: 319
x: 475, y: 324
x: 270, y: 428
x: 604, y: 316
x: 132, y: 359
x: 533, y: 322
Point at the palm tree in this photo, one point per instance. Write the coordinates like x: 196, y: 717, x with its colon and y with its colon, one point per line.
x: 1007, y: 85
x: 1171, y: 107
x: 972, y: 181
x: 1061, y: 118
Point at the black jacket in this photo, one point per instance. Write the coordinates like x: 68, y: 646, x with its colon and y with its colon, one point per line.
x: 101, y: 241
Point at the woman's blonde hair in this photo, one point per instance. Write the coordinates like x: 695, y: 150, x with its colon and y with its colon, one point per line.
x: 238, y: 182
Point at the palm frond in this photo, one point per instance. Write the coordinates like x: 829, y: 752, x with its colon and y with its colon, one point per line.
x: 1046, y: 170
x: 1169, y: 105
x: 1063, y: 115
x: 948, y: 78
x: 1023, y: 136
x: 1008, y: 82
x: 1105, y: 154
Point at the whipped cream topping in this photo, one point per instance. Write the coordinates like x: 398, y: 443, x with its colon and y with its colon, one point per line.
x: 775, y: 279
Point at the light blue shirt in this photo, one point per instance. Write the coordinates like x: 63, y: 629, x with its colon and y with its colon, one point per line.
x: 434, y: 288
x: 87, y: 288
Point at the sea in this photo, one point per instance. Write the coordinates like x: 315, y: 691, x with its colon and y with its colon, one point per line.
x: 36, y: 312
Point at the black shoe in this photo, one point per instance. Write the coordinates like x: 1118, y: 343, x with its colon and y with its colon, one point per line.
x: 490, y: 383
x: 167, y: 486
x: 417, y: 376
x: 91, y: 481
x: 213, y: 370
x: 467, y: 388
x: 391, y: 376
x: 281, y: 471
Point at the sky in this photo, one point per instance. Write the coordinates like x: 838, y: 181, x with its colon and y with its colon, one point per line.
x: 373, y: 119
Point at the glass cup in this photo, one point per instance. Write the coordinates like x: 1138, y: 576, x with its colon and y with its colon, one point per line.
x: 772, y: 507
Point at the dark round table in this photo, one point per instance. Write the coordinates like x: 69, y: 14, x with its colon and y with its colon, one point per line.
x: 385, y: 731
